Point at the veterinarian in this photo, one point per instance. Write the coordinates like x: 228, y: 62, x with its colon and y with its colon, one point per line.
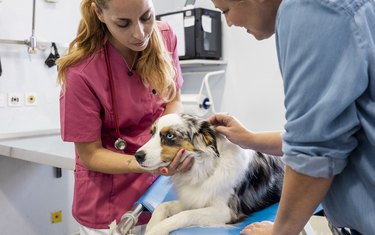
x: 326, y: 51
x: 120, y: 74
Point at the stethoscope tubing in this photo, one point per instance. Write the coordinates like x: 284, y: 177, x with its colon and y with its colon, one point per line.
x: 120, y: 143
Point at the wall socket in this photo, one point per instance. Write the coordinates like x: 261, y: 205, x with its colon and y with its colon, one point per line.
x: 15, y: 99
x: 31, y: 99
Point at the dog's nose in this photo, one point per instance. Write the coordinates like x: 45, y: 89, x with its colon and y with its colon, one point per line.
x: 140, y: 156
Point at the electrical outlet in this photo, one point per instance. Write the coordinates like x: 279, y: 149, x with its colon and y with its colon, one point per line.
x: 15, y: 99
x: 31, y: 99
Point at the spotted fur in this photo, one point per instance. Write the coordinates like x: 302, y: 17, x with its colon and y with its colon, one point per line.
x: 225, y: 184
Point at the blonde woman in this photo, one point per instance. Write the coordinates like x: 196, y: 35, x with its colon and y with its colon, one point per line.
x: 120, y: 74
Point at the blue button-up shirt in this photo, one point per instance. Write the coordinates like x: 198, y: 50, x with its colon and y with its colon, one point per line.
x: 326, y: 51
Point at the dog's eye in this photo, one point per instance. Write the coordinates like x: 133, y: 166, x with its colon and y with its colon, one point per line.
x: 170, y: 136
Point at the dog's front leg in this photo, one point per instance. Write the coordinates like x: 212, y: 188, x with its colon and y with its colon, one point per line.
x: 162, y: 211
x: 209, y: 216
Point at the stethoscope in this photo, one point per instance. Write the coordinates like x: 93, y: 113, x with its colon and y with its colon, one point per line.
x: 120, y: 143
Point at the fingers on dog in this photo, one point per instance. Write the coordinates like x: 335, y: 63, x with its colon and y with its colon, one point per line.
x: 217, y: 119
x: 187, y: 163
x: 176, y: 160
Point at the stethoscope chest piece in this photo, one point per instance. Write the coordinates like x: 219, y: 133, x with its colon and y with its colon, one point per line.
x: 120, y: 144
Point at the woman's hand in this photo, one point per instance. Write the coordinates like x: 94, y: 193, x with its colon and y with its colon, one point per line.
x: 177, y: 166
x: 258, y: 228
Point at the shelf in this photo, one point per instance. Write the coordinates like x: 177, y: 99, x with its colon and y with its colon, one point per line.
x: 44, y: 149
x: 29, y: 134
x: 200, y: 62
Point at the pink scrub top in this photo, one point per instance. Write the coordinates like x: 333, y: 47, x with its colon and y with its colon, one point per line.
x: 86, y: 115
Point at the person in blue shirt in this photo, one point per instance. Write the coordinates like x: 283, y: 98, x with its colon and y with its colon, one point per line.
x: 326, y: 53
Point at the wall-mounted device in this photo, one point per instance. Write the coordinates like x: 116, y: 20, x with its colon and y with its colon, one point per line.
x: 198, y: 32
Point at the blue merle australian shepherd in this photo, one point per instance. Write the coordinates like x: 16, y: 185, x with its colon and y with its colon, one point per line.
x: 225, y: 184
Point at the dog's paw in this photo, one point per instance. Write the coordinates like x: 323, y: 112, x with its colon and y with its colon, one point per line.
x: 154, y: 221
x: 158, y: 215
x: 149, y: 227
x: 157, y: 231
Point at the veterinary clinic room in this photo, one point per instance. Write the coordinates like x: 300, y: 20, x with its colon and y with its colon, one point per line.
x: 187, y: 117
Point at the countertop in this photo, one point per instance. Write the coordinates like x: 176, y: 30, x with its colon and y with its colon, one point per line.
x: 44, y: 148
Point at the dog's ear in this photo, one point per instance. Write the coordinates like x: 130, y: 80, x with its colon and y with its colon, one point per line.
x: 201, y: 133
x: 208, y: 134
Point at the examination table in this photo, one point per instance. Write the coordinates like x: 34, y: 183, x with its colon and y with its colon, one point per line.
x: 161, y: 191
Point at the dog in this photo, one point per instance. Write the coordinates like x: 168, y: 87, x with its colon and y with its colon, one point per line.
x: 225, y: 183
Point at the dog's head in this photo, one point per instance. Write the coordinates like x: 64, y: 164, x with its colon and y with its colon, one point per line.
x: 173, y: 132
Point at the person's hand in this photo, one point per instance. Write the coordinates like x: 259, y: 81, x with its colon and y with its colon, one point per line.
x: 176, y: 165
x: 231, y: 128
x: 258, y: 228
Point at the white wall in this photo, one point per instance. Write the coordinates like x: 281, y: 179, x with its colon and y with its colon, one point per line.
x: 252, y: 88
x: 29, y: 192
x: 23, y: 73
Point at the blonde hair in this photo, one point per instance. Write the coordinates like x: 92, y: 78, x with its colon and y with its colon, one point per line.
x: 155, y: 65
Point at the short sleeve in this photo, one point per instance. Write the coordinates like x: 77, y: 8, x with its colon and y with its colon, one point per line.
x: 324, y: 73
x: 79, y: 110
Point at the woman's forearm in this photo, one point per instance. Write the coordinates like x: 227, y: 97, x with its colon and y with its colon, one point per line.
x: 106, y: 161
x: 97, y: 158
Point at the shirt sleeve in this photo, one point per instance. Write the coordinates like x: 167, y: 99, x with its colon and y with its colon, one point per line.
x: 322, y: 64
x: 79, y: 110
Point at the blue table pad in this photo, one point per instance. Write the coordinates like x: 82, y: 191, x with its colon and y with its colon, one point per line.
x: 162, y: 191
